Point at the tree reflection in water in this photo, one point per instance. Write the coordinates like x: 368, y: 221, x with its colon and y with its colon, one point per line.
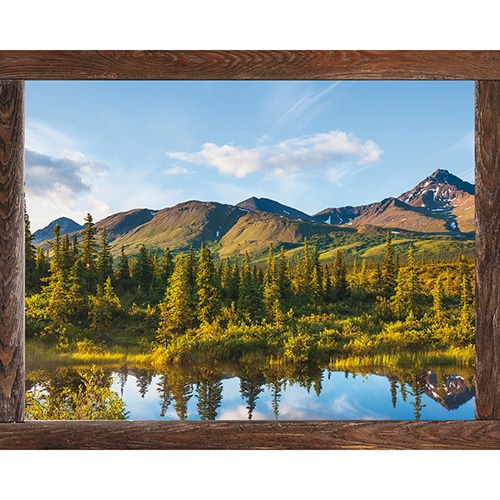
x: 263, y: 383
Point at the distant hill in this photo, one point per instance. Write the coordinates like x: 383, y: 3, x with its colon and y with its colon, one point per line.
x: 179, y: 227
x: 66, y: 226
x: 441, y: 206
x: 124, y: 222
x: 265, y: 205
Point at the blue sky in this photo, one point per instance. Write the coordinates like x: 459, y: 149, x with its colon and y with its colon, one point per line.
x: 103, y: 147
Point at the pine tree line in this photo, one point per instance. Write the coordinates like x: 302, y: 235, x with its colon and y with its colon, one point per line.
x: 83, y: 291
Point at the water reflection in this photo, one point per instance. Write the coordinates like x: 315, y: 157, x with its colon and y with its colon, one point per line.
x: 270, y: 389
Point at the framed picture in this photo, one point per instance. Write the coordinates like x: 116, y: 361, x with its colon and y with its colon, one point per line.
x: 479, y: 66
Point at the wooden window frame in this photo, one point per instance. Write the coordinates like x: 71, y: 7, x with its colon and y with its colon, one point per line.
x: 483, y: 67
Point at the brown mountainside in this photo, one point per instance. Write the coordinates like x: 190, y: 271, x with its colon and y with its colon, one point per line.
x: 442, y: 204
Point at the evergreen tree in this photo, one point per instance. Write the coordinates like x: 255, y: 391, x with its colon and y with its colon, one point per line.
x: 89, y: 254
x: 207, y: 288
x: 316, y: 286
x: 32, y: 282
x: 389, y: 269
x: 191, y: 268
x: 64, y: 300
x: 55, y: 262
x: 42, y: 267
x: 378, y: 281
x: 123, y: 278
x: 167, y: 266
x: 144, y: 271
x: 250, y: 302
x: 284, y: 279
x: 413, y: 284
x: 104, y: 306
x: 230, y: 282
x: 406, y: 297
x: 272, y: 292
x: 104, y: 260
x: 177, y: 310
x: 158, y: 284
x: 466, y: 309
x: 340, y: 285
x: 438, y: 309
x: 302, y: 279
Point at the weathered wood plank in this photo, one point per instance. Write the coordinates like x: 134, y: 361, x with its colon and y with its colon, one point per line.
x: 481, y: 434
x: 11, y: 251
x: 487, y: 260
x: 217, y: 435
x: 247, y: 64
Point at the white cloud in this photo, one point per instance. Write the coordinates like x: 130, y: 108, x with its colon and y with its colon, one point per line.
x: 62, y: 185
x: 333, y: 154
x: 58, y: 176
x: 176, y: 171
x: 226, y: 159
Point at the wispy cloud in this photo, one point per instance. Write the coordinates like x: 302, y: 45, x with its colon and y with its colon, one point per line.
x: 334, y: 154
x: 48, y: 140
x: 466, y: 142
x: 176, y: 170
x: 300, y: 102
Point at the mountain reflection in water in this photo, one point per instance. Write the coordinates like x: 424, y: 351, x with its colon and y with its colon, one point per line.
x: 273, y: 391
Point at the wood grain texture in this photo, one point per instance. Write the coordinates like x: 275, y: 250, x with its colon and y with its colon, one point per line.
x: 144, y: 435
x: 487, y: 261
x: 247, y: 64
x: 11, y: 251
x: 177, y: 65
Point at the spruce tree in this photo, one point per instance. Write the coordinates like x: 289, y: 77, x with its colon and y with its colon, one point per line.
x: 42, y: 267
x: 89, y: 254
x: 104, y: 260
x: 389, y: 269
x: 177, y: 310
x: 55, y: 262
x: 406, y: 297
x: 250, y: 301
x: 144, y: 270
x: 122, y: 276
x: 104, y: 307
x: 272, y: 292
x: 167, y: 265
x: 340, y: 285
x: 284, y: 279
x: 207, y: 288
x: 438, y: 309
x: 32, y: 282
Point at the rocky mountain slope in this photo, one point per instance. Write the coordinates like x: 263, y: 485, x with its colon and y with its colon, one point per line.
x: 442, y: 205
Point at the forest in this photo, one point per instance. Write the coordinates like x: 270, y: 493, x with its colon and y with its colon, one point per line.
x: 81, y: 301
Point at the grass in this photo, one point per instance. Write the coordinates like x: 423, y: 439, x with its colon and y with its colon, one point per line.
x: 84, y: 353
x: 453, y: 356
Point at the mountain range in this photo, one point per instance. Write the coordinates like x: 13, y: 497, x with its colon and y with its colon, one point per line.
x: 439, y: 207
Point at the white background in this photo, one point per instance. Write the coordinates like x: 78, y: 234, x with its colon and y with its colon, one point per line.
x: 270, y: 24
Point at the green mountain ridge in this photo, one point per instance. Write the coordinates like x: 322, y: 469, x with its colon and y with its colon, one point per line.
x: 444, y: 221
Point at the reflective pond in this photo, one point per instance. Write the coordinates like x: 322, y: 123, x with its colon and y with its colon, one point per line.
x: 274, y: 392
x: 343, y: 396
